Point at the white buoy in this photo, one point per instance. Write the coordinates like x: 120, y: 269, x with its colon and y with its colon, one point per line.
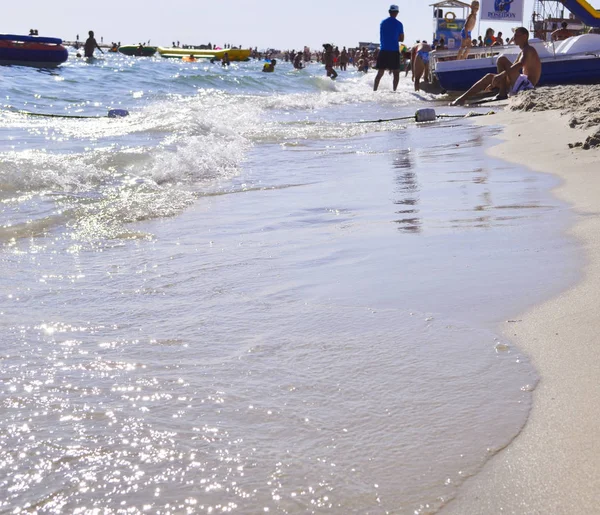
x: 425, y: 115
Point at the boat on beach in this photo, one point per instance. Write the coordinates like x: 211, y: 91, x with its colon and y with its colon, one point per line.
x: 37, y: 51
x: 144, y: 51
x: 235, y: 54
x: 575, y: 60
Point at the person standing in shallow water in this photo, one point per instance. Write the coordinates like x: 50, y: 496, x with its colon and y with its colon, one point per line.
x: 391, y: 34
x: 328, y: 61
x: 344, y: 59
x: 90, y: 45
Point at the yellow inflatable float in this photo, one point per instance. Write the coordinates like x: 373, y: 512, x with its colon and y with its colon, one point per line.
x: 235, y: 54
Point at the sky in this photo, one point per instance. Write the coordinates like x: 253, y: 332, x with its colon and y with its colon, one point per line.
x: 261, y: 23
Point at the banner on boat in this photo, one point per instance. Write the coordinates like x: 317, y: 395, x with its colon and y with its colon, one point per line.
x: 502, y: 10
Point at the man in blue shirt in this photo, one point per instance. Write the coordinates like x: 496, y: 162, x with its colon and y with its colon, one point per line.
x: 391, y: 32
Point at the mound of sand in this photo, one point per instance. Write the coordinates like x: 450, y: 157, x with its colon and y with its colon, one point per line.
x: 580, y: 103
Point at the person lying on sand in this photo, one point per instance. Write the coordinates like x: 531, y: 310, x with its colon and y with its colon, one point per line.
x: 511, y: 78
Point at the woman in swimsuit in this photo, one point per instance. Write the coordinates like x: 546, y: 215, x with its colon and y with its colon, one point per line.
x: 421, y: 64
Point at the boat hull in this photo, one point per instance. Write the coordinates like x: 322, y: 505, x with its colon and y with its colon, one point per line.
x: 576, y: 71
x: 573, y: 61
x: 235, y: 54
x: 147, y: 51
x: 462, y: 80
x: 32, y: 53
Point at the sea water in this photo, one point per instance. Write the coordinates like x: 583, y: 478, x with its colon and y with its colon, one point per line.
x: 241, y: 298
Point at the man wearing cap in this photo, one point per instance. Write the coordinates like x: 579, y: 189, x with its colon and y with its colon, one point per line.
x: 391, y: 32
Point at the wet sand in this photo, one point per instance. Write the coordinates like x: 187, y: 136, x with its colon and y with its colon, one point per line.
x: 553, y: 466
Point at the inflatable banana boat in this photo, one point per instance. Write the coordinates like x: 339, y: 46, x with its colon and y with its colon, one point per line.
x: 235, y: 54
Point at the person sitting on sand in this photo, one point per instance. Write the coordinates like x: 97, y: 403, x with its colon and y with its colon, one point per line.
x: 509, y: 77
x: 90, y: 45
x: 465, y: 33
x: 562, y: 33
x: 270, y: 66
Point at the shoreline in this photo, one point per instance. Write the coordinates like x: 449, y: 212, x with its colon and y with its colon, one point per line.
x: 552, y: 466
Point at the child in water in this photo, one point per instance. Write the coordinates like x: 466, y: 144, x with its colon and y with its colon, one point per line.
x: 269, y: 67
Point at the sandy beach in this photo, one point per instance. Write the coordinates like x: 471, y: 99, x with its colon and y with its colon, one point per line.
x: 553, y: 466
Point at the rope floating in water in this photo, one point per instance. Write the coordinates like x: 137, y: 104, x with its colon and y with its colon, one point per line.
x: 113, y: 113
x: 427, y: 115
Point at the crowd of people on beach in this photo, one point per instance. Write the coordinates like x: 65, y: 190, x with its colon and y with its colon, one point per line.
x: 393, y: 56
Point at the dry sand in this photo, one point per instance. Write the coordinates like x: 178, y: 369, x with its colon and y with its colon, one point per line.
x: 581, y: 105
x: 553, y: 466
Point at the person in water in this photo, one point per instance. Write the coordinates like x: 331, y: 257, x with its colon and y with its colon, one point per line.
x: 511, y: 78
x: 421, y: 64
x: 391, y: 34
x: 328, y: 61
x: 408, y: 60
x: 298, y: 65
x: 465, y: 33
x: 90, y: 45
x: 225, y: 61
x: 270, y: 66
x: 344, y: 59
